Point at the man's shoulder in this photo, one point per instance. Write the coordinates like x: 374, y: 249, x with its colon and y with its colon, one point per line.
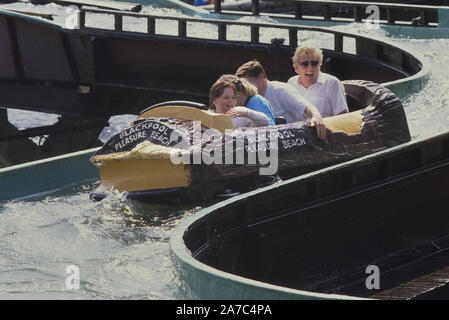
x: 328, y: 78
x: 277, y: 84
x: 293, y: 79
x: 280, y: 86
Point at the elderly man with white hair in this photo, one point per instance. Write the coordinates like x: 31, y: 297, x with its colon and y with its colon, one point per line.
x: 325, y: 91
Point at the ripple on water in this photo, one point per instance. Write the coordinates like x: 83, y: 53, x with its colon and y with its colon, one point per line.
x: 121, y: 251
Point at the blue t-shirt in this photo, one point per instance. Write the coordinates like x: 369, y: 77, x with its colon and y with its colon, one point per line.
x: 259, y: 103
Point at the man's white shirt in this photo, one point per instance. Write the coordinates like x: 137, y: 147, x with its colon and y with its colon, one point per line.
x: 327, y: 94
x: 286, y: 102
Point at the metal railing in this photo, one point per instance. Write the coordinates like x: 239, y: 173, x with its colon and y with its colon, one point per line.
x: 365, y: 46
x: 425, y: 15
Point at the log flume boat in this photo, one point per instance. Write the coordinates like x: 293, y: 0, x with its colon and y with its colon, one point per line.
x: 177, y: 151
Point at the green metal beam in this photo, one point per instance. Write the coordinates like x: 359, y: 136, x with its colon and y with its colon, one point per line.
x: 48, y: 175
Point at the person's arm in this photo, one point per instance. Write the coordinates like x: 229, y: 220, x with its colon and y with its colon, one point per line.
x: 297, y: 103
x: 316, y: 121
x: 241, y: 122
x: 293, y: 102
x: 259, y: 118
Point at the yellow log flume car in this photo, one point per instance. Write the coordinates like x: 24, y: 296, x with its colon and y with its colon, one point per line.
x: 177, y: 151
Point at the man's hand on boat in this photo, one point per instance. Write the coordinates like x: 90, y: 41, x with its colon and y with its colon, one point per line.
x: 316, y: 121
x: 320, y: 127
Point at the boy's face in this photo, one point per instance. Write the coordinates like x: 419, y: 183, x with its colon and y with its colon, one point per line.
x: 258, y: 82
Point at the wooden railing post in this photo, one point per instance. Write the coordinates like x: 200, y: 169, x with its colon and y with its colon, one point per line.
x: 298, y: 10
x: 255, y: 8
x: 182, y: 28
x: 338, y: 42
x: 222, y: 29
x: 390, y: 16
x: 151, y: 25
x: 82, y: 19
x: 357, y: 14
x: 424, y: 17
x: 118, y: 22
x: 293, y: 36
x: 327, y: 12
x: 254, y: 34
x: 217, y: 6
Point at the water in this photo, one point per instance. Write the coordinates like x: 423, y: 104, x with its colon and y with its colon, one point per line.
x: 121, y: 247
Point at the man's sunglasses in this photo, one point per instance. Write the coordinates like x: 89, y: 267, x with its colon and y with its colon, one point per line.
x: 314, y: 63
